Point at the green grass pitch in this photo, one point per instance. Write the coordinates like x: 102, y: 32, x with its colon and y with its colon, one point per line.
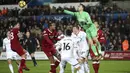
x: 43, y: 67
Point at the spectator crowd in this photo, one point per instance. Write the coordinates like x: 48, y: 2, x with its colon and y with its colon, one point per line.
x: 114, y: 21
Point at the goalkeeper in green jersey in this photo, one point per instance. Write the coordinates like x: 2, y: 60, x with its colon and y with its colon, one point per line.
x: 86, y: 23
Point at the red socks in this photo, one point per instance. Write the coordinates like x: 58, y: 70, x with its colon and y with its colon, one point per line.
x: 22, y: 64
x: 53, y: 69
x: 96, y: 66
x: 56, y: 64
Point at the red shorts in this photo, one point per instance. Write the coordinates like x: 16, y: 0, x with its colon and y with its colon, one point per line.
x: 18, y: 49
x: 92, y: 53
x: 49, y: 51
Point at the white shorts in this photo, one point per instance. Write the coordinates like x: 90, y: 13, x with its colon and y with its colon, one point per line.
x: 71, y: 61
x: 11, y: 55
x: 83, y: 53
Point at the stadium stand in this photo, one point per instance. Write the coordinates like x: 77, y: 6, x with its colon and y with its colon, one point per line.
x: 114, y: 21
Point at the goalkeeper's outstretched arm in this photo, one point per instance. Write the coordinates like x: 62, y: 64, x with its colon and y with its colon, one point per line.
x: 69, y: 12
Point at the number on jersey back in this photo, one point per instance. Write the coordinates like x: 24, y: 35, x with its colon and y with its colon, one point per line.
x: 11, y: 35
x: 66, y: 46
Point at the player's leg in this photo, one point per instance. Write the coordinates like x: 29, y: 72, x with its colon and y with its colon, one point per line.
x: 98, y: 47
x: 52, y: 64
x: 95, y: 62
x: 72, y: 68
x: 10, y: 65
x: 24, y: 57
x: 62, y: 66
x: 92, y: 46
x: 57, y: 55
x: 90, y: 41
x: 22, y: 53
x: 17, y: 62
x: 15, y: 58
x: 86, y: 65
x: 96, y: 66
x: 81, y: 70
x: 9, y: 57
x: 76, y: 65
x: 31, y: 53
x: 92, y: 37
x: 33, y: 58
x: 51, y: 59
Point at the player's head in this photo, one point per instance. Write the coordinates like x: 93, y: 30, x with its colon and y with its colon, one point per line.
x: 27, y: 34
x: 96, y: 24
x: 60, y: 32
x: 17, y: 25
x: 68, y: 32
x: 52, y: 26
x: 8, y: 33
x: 81, y: 7
x: 76, y: 29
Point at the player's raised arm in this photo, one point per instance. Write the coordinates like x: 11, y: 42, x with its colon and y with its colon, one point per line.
x: 69, y: 12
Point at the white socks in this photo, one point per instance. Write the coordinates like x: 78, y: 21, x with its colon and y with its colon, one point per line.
x: 81, y: 70
x: 86, y: 67
x: 11, y: 68
x: 72, y: 69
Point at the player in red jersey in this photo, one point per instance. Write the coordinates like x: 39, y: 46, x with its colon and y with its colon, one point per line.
x: 15, y: 46
x: 49, y: 37
x: 101, y: 37
x: 102, y: 40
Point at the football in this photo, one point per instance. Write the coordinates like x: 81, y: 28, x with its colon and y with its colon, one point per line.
x: 22, y: 4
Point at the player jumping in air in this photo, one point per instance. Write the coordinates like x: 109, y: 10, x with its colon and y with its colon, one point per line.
x: 101, y: 38
x: 15, y: 46
x: 9, y: 53
x: 49, y: 36
x: 86, y: 23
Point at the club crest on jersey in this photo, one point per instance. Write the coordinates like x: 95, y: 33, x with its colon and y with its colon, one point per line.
x: 51, y: 37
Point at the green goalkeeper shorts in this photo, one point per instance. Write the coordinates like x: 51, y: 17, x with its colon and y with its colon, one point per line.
x: 91, y: 32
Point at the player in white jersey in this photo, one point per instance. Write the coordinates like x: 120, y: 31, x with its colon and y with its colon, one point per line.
x: 9, y: 53
x: 83, y: 48
x: 68, y: 52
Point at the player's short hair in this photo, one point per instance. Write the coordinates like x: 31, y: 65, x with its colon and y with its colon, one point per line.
x: 15, y: 23
x: 77, y: 26
x: 68, y: 32
x: 82, y: 6
x: 50, y: 24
